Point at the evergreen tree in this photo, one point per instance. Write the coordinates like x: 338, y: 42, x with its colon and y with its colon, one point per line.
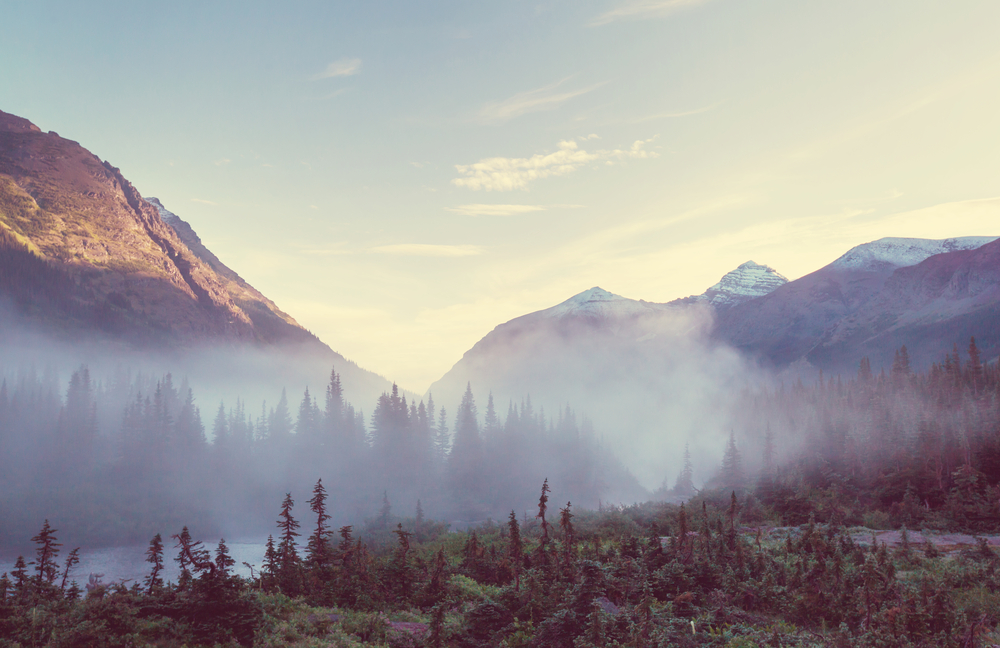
x: 271, y: 567
x: 318, y: 547
x: 223, y: 561
x: 865, y: 371
x: 732, y: 465
x: 287, y: 554
x: 72, y: 560
x: 183, y: 540
x: 543, y: 501
x: 384, y: 512
x: 46, y: 567
x: 684, y: 485
x: 442, y: 440
x: 515, y: 548
x: 154, y: 556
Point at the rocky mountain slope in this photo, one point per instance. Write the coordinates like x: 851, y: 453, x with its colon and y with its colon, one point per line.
x: 930, y: 307
x: 749, y: 281
x: 789, y: 323
x: 84, y: 257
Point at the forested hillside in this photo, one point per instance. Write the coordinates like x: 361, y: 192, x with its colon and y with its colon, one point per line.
x: 153, y: 463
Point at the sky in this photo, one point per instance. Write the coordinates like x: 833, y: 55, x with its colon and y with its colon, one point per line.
x: 402, y: 177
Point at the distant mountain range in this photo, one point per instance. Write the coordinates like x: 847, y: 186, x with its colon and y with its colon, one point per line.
x: 872, y: 300
x: 926, y: 294
x: 84, y: 257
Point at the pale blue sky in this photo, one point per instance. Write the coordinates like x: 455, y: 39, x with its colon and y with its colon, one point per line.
x: 402, y: 177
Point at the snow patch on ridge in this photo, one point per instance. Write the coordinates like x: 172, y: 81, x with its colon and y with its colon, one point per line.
x: 891, y: 252
x: 600, y: 303
x: 746, y: 282
x: 166, y: 215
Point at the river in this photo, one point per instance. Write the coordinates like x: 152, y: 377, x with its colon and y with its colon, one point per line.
x: 128, y: 564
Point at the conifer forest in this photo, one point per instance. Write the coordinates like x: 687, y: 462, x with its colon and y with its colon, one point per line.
x: 849, y: 511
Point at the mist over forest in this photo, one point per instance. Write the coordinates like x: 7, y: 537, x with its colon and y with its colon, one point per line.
x: 118, y: 452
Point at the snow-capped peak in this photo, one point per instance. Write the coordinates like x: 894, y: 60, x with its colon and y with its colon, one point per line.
x: 598, y: 302
x: 746, y: 282
x: 891, y: 252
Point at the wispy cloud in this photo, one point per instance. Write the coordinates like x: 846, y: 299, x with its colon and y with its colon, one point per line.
x: 203, y: 202
x: 340, y: 67
x: 639, y: 9
x: 495, y: 210
x: 547, y: 98
x: 222, y: 162
x: 507, y: 174
x: 425, y: 249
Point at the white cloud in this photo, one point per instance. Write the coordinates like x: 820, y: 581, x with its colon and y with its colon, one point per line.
x: 507, y: 174
x: 639, y: 9
x: 222, y: 162
x: 203, y: 202
x: 340, y: 67
x: 424, y: 249
x: 546, y: 98
x: 495, y: 210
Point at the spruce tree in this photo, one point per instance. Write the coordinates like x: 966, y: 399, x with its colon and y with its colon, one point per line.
x: 288, y: 555
x: 45, y: 564
x: 271, y: 567
x: 684, y: 486
x: 515, y: 548
x: 183, y: 540
x: 732, y: 464
x: 72, y: 560
x: 543, y: 501
x: 154, y: 556
x: 223, y: 561
x: 317, y: 551
x: 384, y: 512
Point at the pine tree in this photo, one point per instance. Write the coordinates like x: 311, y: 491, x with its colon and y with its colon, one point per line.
x: 287, y: 554
x: 684, y: 486
x: 72, y: 560
x: 45, y: 564
x: 732, y: 464
x: 466, y: 454
x: 318, y: 547
x: 543, y: 501
x: 20, y: 574
x: 566, y: 523
x: 345, y: 547
x: 515, y: 548
x: 442, y: 440
x: 154, y: 556
x: 183, y: 540
x: 269, y: 572
x: 384, y: 512
x: 865, y: 371
x: 223, y: 561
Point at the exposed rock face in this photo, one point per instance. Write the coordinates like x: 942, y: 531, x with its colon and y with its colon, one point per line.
x: 130, y: 272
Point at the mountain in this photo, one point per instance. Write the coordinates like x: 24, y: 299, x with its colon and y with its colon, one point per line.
x: 613, y: 360
x: 84, y: 257
x: 748, y: 281
x: 787, y: 324
x: 930, y: 307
